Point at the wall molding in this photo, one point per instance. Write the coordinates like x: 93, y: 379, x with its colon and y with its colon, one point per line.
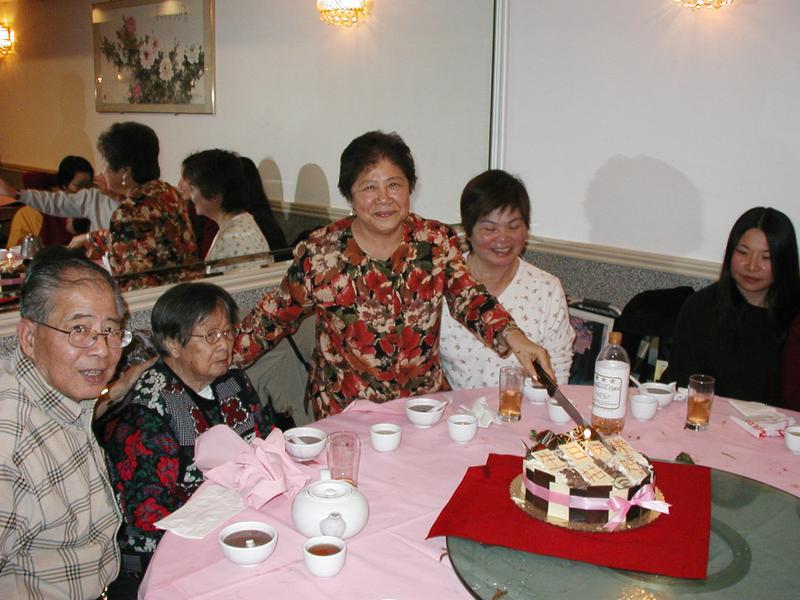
x: 300, y: 209
x: 688, y: 267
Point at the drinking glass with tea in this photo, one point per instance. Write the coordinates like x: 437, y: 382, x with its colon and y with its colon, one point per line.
x: 512, y: 380
x: 699, y: 401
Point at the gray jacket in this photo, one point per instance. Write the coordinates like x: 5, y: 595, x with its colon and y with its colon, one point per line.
x: 89, y: 204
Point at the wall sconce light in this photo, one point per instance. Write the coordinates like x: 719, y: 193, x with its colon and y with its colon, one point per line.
x: 343, y: 13
x: 6, y: 40
x: 704, y: 3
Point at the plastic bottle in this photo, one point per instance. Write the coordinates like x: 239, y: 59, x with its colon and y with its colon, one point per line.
x: 610, y: 399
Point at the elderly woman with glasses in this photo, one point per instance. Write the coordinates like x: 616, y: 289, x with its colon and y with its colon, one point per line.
x: 149, y: 440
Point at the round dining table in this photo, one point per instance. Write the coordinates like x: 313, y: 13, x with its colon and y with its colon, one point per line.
x: 407, y: 489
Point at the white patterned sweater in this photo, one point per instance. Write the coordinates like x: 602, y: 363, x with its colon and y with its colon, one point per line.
x: 536, y: 300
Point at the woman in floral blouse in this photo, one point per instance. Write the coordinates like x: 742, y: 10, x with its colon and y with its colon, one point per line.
x: 149, y: 441
x: 214, y: 181
x: 376, y: 282
x: 150, y: 228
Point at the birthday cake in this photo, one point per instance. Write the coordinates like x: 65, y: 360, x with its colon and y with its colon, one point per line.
x: 575, y: 477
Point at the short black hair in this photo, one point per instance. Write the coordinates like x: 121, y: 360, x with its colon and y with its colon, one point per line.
x: 69, y: 166
x: 55, y: 268
x: 182, y: 307
x: 134, y: 145
x: 217, y: 172
x: 489, y: 191
x: 367, y: 150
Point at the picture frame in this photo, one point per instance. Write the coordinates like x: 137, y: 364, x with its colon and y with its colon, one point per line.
x: 154, y: 56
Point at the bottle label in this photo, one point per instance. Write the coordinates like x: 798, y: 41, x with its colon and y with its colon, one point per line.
x: 610, y: 391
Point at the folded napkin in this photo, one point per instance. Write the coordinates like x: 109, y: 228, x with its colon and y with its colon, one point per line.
x: 676, y: 544
x: 480, y: 409
x: 209, y: 506
x: 760, y: 420
x: 259, y: 471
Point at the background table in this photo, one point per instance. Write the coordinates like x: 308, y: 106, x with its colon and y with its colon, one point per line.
x: 406, y: 490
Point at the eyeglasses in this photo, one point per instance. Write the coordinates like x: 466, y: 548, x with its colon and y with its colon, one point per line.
x: 81, y: 336
x: 214, y: 335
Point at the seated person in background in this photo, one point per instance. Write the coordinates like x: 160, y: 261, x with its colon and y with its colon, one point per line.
x: 150, y: 227
x: 790, y: 374
x: 258, y: 206
x: 215, y: 181
x: 495, y: 213
x: 58, y: 517
x: 734, y: 329
x: 96, y: 204
x: 149, y: 439
x: 75, y: 173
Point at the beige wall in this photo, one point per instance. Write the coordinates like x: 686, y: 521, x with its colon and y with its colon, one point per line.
x: 291, y: 92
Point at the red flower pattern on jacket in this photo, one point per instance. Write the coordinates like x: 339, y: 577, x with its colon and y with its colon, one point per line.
x: 377, y: 321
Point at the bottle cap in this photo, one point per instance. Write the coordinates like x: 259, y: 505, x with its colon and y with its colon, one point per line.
x: 615, y: 337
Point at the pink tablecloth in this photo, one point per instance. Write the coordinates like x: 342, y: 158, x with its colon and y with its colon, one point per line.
x: 407, y: 489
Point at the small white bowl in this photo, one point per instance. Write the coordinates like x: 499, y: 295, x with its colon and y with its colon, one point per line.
x: 385, y: 437
x: 536, y: 394
x: 462, y: 428
x: 643, y: 406
x: 424, y: 412
x: 248, y: 550
x: 324, y: 565
x: 556, y: 413
x: 791, y: 435
x: 307, y: 448
x: 662, y: 392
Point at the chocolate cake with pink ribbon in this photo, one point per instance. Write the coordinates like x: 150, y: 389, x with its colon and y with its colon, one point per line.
x: 577, y: 478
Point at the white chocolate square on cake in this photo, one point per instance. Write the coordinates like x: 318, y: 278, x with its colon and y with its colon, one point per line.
x: 548, y: 460
x: 574, y: 453
x: 594, y: 475
x: 620, y: 445
x: 558, y: 511
x: 598, y: 450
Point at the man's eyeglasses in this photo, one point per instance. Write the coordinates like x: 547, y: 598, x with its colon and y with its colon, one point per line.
x: 214, y: 335
x: 81, y: 336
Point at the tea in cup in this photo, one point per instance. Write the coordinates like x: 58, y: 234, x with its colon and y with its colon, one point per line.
x: 385, y: 437
x: 324, y: 555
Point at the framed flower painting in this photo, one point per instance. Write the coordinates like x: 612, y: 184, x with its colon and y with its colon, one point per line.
x: 154, y: 56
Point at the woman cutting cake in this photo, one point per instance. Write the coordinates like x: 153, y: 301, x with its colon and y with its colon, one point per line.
x: 376, y: 282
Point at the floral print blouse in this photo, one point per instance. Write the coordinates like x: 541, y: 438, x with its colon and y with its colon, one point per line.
x: 149, y: 444
x: 149, y: 230
x: 377, y: 321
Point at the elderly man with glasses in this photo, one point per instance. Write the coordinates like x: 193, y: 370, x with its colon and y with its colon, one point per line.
x: 58, y: 517
x: 149, y: 437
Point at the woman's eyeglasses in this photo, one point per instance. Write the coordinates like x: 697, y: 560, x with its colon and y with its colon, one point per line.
x: 81, y: 336
x: 214, y: 335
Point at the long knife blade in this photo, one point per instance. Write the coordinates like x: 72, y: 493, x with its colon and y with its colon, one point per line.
x: 552, y: 389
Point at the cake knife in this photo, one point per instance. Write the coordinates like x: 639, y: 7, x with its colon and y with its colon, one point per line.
x: 552, y: 389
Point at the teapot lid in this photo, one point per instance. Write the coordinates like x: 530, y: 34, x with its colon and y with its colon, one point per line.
x: 330, y: 489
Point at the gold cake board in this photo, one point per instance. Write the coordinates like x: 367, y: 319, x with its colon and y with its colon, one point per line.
x: 517, y: 491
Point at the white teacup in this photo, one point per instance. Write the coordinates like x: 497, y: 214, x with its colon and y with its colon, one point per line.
x: 663, y: 392
x: 324, y: 555
x: 385, y: 437
x: 248, y: 543
x: 462, y: 428
x: 791, y: 435
x: 556, y: 413
x: 643, y: 406
x: 536, y: 394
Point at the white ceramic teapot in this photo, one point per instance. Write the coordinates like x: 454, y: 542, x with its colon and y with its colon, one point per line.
x: 316, y: 502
